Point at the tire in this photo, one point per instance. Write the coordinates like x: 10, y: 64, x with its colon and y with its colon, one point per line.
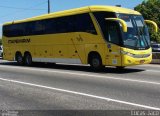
x: 95, y: 63
x: 27, y: 59
x: 19, y: 59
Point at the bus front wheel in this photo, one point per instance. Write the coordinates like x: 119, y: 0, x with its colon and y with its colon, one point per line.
x: 28, y: 59
x: 95, y: 62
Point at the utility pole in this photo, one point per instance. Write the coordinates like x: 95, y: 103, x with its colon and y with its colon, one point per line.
x: 49, y: 6
x: 118, y: 5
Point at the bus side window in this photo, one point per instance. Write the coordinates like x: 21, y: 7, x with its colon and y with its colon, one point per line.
x: 71, y: 23
x: 14, y: 30
x: 39, y: 27
x: 50, y: 26
x: 100, y: 17
x: 113, y: 32
x: 85, y: 24
x: 30, y: 27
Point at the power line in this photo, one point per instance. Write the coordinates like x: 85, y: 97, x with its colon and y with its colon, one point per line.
x: 22, y: 11
x: 18, y: 8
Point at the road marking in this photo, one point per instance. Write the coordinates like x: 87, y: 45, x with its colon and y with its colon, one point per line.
x: 82, y: 94
x: 80, y: 74
x: 149, y: 65
x: 154, y: 71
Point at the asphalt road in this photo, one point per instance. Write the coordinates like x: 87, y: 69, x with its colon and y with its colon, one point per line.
x: 72, y: 87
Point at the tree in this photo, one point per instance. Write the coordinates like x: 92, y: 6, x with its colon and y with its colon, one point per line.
x: 0, y: 41
x: 151, y: 10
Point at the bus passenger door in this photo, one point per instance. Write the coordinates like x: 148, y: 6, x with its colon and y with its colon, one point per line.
x: 113, y: 43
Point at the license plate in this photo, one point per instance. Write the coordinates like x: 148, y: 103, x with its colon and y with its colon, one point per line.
x: 142, y: 61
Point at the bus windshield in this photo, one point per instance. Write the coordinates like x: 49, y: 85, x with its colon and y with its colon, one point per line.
x: 137, y: 36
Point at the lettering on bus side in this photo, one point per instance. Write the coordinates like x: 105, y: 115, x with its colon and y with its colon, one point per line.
x: 19, y: 41
x: 79, y: 38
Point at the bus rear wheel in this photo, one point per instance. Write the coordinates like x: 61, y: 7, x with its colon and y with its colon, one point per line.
x: 28, y: 59
x: 19, y: 58
x: 95, y: 62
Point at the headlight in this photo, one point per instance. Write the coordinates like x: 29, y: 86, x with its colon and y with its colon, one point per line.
x: 136, y: 55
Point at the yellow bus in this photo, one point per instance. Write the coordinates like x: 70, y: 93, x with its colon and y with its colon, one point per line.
x: 96, y: 35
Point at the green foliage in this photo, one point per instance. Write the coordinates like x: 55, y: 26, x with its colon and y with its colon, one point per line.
x: 155, y: 36
x: 0, y: 41
x: 151, y: 10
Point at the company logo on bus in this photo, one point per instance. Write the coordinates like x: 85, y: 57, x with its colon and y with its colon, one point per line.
x: 19, y: 41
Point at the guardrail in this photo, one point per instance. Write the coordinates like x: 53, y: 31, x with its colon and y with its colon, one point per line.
x: 156, y: 57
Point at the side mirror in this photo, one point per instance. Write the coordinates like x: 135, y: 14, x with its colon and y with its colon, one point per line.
x: 155, y: 26
x: 123, y: 23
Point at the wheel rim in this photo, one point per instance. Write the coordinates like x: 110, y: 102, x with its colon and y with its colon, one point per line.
x: 19, y: 59
x: 28, y: 60
x: 95, y: 63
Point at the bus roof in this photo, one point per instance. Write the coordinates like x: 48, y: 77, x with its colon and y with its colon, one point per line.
x: 78, y: 11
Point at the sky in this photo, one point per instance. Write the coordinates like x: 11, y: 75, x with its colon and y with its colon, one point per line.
x: 11, y: 10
